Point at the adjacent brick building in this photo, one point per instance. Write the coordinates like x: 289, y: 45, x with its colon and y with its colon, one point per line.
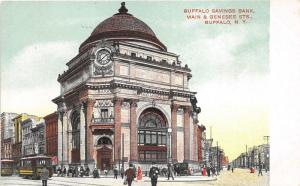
x: 51, y: 136
x: 200, y: 143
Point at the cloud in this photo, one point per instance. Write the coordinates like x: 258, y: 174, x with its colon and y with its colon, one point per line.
x: 213, y: 54
x: 29, y: 81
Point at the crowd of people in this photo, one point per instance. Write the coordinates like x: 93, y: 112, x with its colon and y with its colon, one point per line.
x: 128, y: 175
x: 132, y: 173
x: 208, y: 171
x: 75, y: 171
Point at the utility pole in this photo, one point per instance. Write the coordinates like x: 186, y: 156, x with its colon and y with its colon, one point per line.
x: 268, y: 153
x: 119, y: 158
x: 123, y: 151
x: 217, y: 158
x: 246, y: 159
x: 267, y: 139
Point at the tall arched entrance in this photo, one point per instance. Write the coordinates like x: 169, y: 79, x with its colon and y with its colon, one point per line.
x: 75, y: 123
x: 104, y: 153
x: 152, y: 136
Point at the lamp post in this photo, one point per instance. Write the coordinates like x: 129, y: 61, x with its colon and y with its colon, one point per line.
x: 218, y: 168
x: 169, y: 136
x: 123, y: 151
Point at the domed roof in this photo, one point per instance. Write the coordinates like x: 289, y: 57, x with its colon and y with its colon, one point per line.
x: 124, y: 26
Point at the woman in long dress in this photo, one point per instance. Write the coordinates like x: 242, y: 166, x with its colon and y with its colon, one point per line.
x: 139, y: 174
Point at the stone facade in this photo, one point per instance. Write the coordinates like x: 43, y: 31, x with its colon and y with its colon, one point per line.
x: 7, y: 133
x: 18, y: 136
x: 126, y: 86
x: 33, y: 137
x: 39, y: 138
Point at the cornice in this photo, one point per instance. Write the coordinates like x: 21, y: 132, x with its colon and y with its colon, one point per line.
x: 140, y: 88
x: 73, y: 70
x: 153, y: 63
x: 147, y: 48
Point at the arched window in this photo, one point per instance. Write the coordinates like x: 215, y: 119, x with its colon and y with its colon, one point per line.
x: 152, y: 136
x: 104, y: 141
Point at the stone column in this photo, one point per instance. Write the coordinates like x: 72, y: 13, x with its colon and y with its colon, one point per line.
x: 186, y: 124
x: 65, y: 139
x: 59, y: 137
x: 82, y: 133
x: 174, y: 108
x: 133, y: 131
x: 194, y: 146
x: 117, y: 136
x: 89, y: 113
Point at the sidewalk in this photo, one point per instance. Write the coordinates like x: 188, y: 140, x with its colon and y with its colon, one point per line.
x: 195, y: 178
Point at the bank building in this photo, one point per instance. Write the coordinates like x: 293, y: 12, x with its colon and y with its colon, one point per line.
x: 125, y: 98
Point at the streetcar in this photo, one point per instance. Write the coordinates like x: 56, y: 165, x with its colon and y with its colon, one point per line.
x: 6, y: 167
x: 31, y: 167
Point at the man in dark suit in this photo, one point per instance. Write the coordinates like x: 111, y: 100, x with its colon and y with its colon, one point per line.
x: 170, y: 171
x: 44, y: 175
x: 129, y: 173
x: 154, y: 172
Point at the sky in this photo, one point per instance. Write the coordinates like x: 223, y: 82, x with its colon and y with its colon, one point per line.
x: 229, y: 63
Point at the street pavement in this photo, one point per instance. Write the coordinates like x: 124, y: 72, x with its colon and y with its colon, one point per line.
x: 240, y: 177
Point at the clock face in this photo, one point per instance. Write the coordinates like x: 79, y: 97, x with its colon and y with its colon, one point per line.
x: 102, y: 57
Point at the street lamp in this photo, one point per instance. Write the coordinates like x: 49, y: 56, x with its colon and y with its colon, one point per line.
x: 169, y: 135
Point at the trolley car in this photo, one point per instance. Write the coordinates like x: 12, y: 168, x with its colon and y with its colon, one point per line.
x: 31, y: 167
x: 6, y: 167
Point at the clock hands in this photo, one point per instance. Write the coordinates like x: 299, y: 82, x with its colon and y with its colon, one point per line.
x: 103, y: 57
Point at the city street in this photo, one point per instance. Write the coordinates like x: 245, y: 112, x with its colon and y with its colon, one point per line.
x: 240, y: 177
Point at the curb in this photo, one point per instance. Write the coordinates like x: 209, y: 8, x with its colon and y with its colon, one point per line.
x: 185, y: 180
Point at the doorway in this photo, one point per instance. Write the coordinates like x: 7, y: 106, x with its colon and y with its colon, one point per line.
x: 104, y: 158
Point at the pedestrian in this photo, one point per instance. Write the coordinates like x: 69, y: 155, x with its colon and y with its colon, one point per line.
x: 73, y: 171
x: 115, y: 172
x: 232, y: 169
x: 64, y: 171
x: 129, y: 175
x: 105, y: 171
x: 44, y: 175
x: 68, y: 171
x: 260, y: 170
x: 95, y: 173
x: 213, y: 171
x: 170, y: 171
x: 139, y: 174
x: 87, y: 171
x: 58, y: 171
x: 77, y: 169
x: 122, y: 172
x: 81, y: 171
x: 154, y: 172
x: 208, y: 171
x: 204, y: 171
